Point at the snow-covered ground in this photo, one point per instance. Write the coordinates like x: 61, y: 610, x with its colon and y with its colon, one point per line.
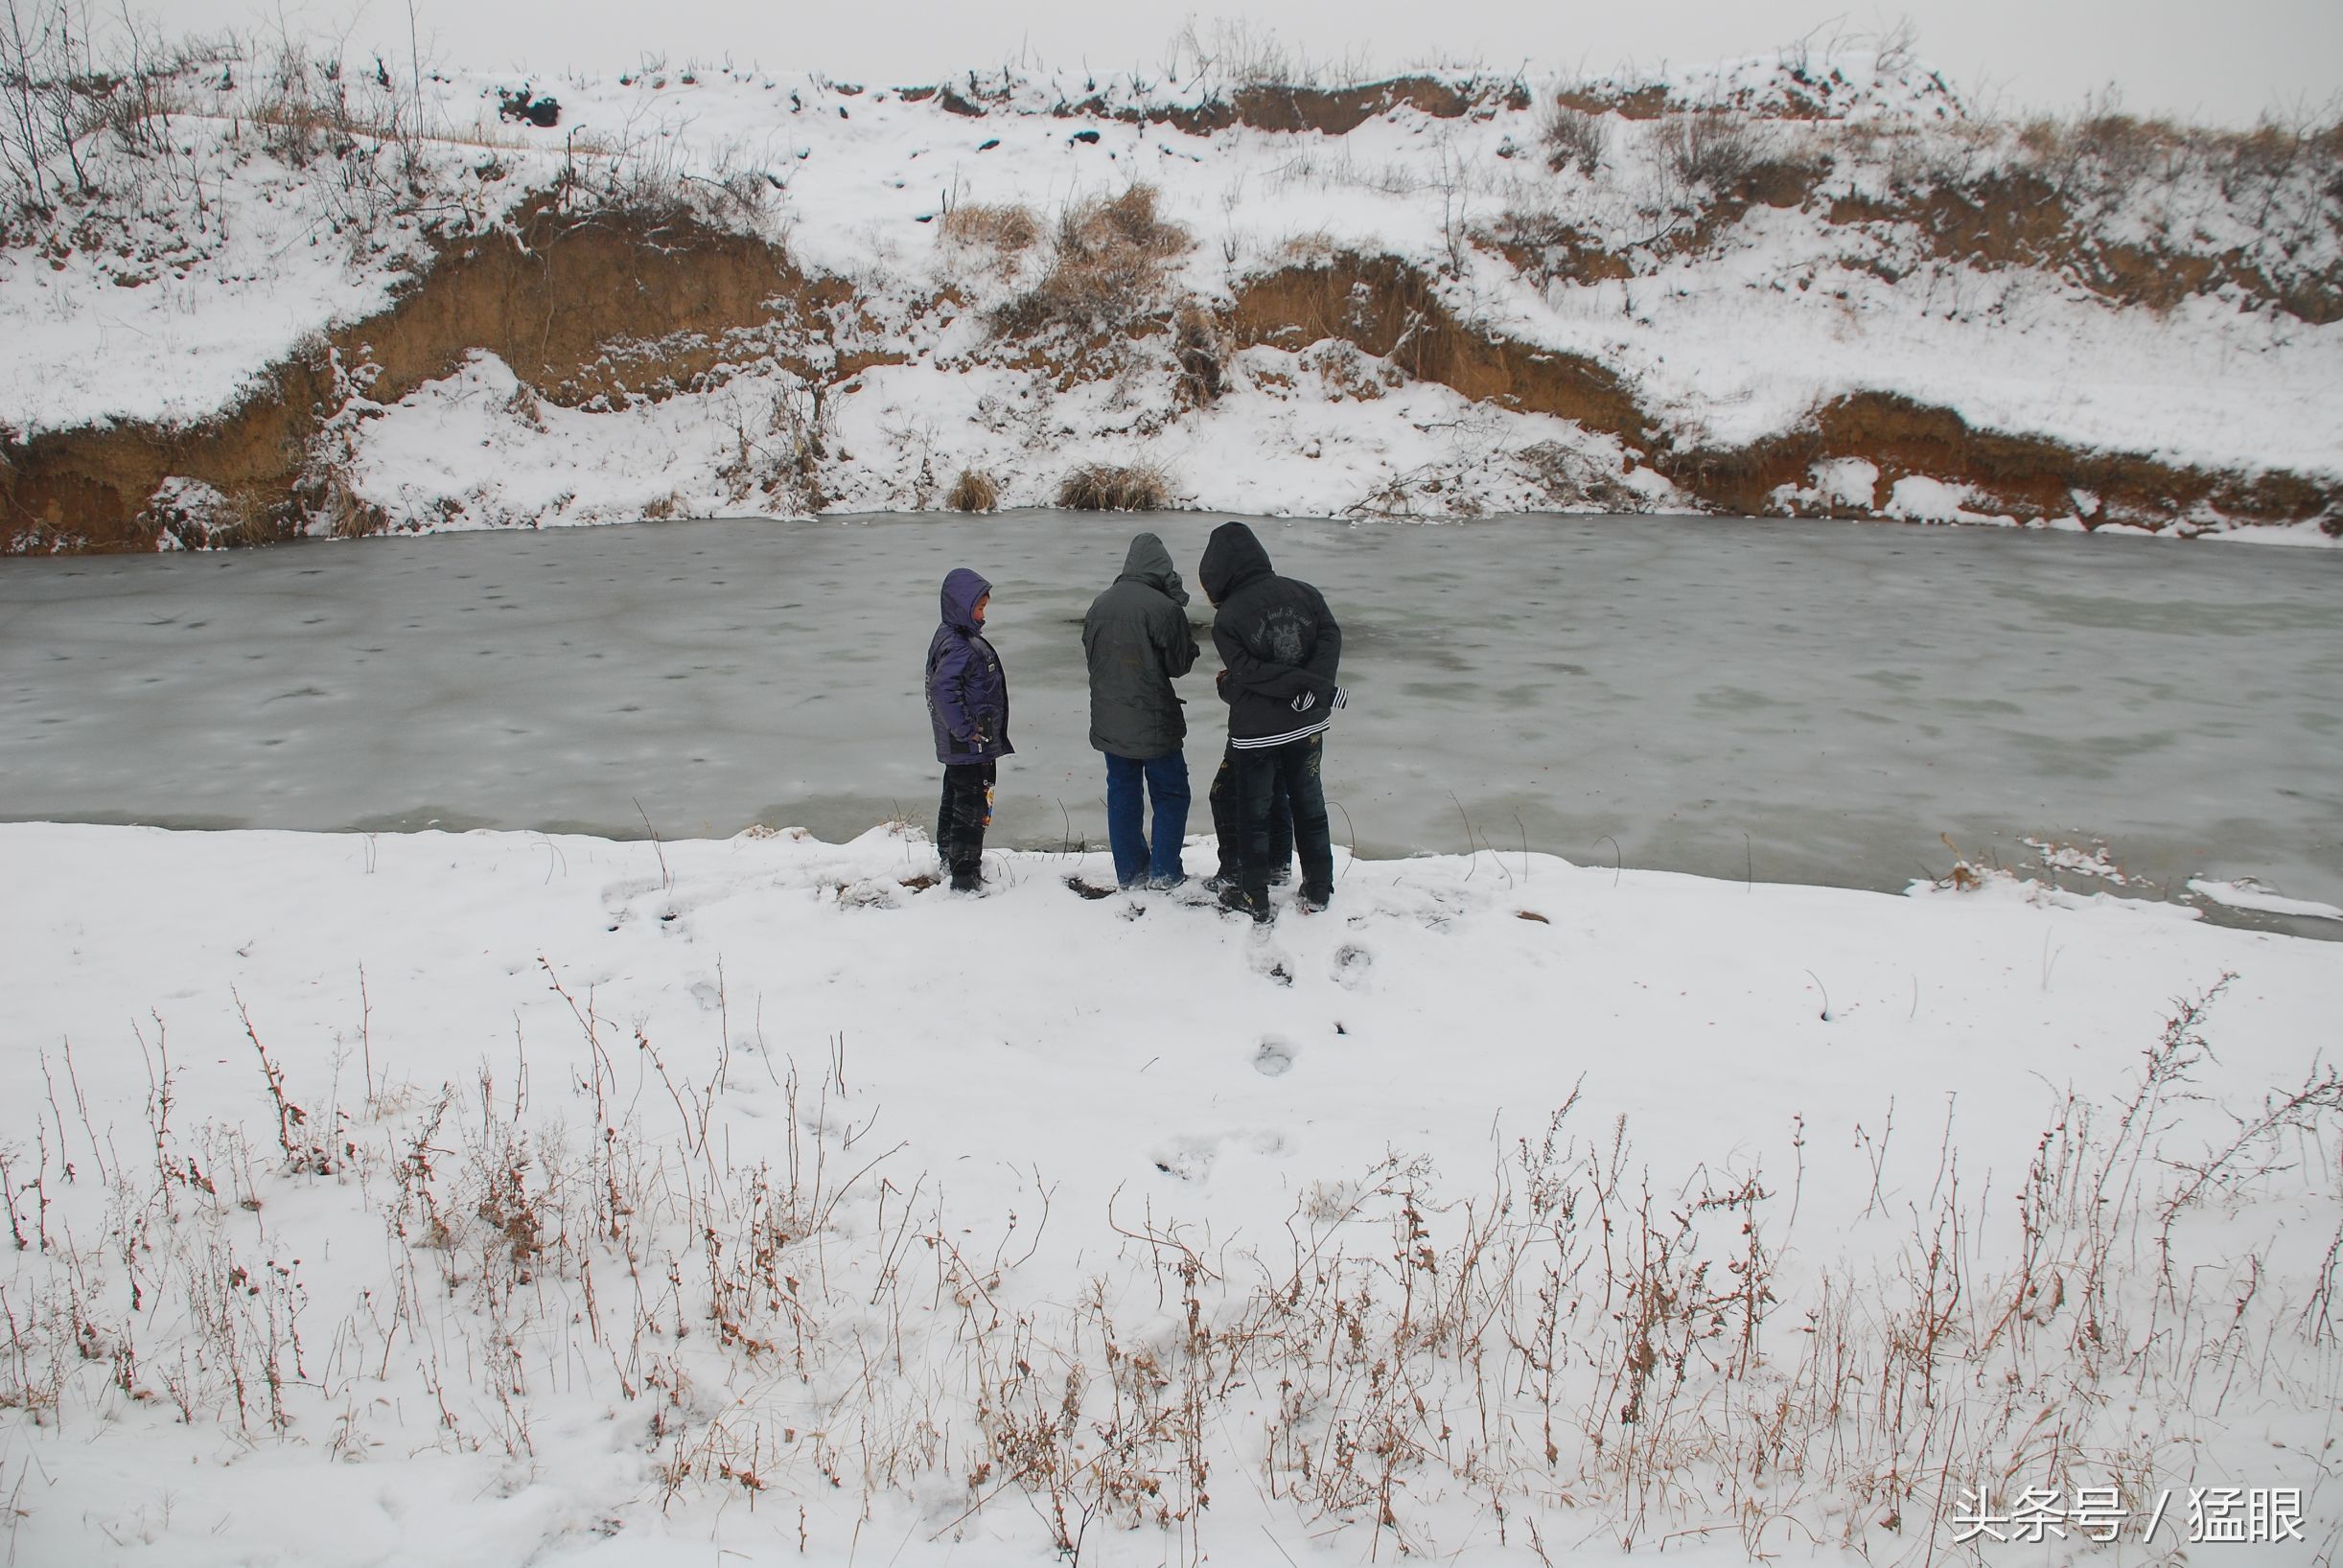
x: 504, y: 1197
x: 244, y: 258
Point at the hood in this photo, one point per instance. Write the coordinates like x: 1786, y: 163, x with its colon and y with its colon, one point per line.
x: 1149, y: 562
x: 961, y: 588
x: 1232, y: 557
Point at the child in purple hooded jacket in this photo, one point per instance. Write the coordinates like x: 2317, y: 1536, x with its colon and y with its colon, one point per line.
x: 967, y: 704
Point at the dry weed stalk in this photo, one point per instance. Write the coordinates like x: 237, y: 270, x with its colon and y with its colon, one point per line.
x: 1573, y: 1336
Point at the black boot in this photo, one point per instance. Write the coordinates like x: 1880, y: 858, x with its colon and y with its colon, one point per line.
x: 1250, y: 901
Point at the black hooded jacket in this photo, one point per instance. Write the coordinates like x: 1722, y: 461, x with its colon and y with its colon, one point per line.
x: 1276, y: 638
x: 1136, y: 642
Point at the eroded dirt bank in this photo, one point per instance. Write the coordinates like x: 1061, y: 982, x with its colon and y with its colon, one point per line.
x: 597, y: 312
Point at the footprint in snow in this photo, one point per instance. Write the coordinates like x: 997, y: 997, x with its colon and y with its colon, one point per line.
x: 1274, y: 1059
x: 1190, y: 1159
x: 1269, y: 963
x: 1351, y: 966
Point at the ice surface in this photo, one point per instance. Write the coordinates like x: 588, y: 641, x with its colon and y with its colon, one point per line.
x: 1811, y: 702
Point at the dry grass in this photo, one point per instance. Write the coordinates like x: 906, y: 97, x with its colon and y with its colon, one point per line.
x: 1202, y: 348
x: 1714, y: 150
x: 1108, y: 263
x: 1008, y: 230
x: 1573, y: 138
x: 1569, y: 1344
x: 1108, y: 487
x: 974, y: 490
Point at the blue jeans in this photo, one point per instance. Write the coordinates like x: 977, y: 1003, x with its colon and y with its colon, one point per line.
x: 1166, y: 782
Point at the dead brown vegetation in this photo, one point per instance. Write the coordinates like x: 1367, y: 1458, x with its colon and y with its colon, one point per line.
x: 1107, y: 264
x: 1115, y: 486
x: 1294, y: 108
x: 1198, y: 341
x: 1009, y: 230
x: 1572, y: 138
x: 974, y: 490
x: 1573, y: 1339
x: 1717, y: 150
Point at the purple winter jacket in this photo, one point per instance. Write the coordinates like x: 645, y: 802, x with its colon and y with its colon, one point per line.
x: 968, y: 693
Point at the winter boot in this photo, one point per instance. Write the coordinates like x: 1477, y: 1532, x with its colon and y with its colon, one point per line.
x: 1250, y: 901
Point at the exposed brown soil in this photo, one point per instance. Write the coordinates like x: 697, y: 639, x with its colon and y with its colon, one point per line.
x: 2022, y: 476
x: 2018, y: 220
x: 580, y: 308
x: 598, y: 312
x: 1389, y: 310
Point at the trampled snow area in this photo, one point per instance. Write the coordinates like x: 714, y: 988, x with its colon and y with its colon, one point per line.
x: 501, y: 1197
x: 1725, y: 342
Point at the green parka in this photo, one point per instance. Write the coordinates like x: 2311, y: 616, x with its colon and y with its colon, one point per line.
x: 1137, y: 642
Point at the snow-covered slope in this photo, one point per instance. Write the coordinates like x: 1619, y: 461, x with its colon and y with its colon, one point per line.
x: 1731, y: 251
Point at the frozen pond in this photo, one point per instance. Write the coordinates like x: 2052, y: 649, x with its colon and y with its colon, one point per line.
x: 1799, y: 702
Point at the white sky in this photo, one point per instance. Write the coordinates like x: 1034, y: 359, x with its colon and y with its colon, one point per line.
x: 2215, y: 60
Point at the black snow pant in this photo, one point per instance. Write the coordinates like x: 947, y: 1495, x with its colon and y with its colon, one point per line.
x: 1228, y: 826
x: 961, y: 820
x: 1261, y: 772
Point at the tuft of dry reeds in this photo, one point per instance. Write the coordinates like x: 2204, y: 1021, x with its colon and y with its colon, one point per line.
x: 1011, y: 230
x: 974, y: 490
x: 1110, y: 486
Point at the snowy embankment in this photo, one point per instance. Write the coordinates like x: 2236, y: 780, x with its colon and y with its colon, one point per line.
x: 500, y: 1197
x: 1723, y: 256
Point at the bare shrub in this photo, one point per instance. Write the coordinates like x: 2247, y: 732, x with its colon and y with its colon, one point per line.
x: 2123, y: 146
x: 306, y: 113
x: 1108, y: 266
x: 779, y: 446
x: 1712, y: 148
x: 1577, y: 481
x: 974, y: 490
x: 1109, y: 487
x: 1346, y: 371
x: 185, y: 514
x: 1573, y: 137
x: 1546, y: 245
x: 2102, y: 152
x: 647, y: 181
x: 47, y: 80
x: 1899, y: 49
